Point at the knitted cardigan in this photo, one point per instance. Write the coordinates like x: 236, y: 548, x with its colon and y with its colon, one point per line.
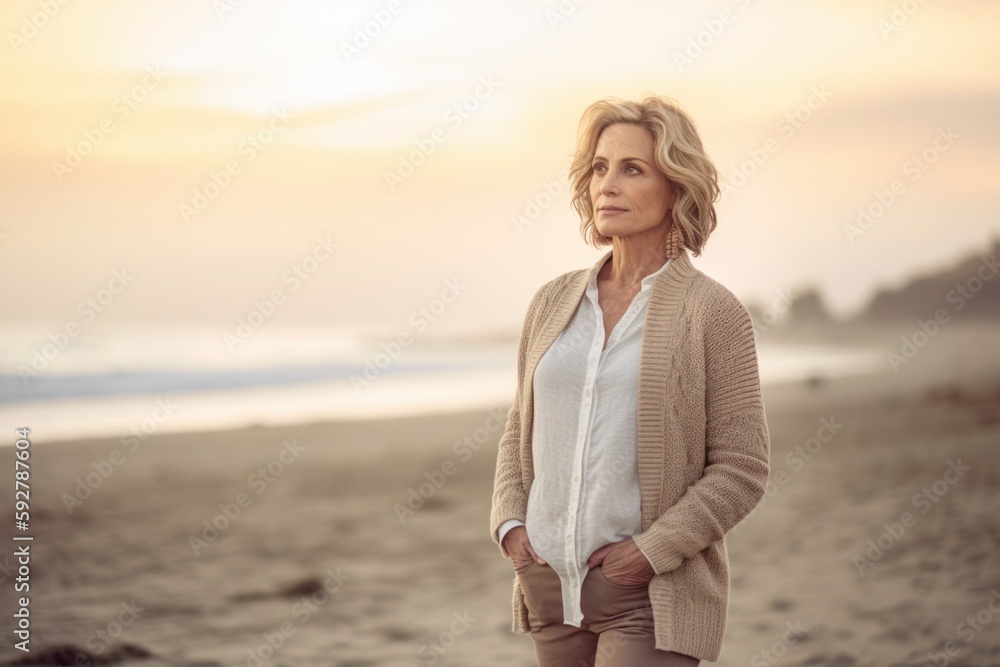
x: 703, y: 443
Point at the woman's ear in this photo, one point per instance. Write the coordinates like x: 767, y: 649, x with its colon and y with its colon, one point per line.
x: 674, y: 190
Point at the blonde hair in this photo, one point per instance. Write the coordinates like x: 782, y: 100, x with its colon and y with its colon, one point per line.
x: 679, y: 155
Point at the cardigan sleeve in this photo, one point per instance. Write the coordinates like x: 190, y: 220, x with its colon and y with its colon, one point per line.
x: 737, y: 446
x: 510, y: 499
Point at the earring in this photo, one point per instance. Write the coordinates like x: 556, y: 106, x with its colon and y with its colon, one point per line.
x: 675, y: 242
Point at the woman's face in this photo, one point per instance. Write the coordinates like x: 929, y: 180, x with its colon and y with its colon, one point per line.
x: 627, y: 190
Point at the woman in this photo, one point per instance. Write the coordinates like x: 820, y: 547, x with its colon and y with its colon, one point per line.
x: 637, y: 438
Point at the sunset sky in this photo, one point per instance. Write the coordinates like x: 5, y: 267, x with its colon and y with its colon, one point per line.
x: 161, y: 98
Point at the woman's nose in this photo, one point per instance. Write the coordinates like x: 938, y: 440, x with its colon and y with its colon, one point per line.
x: 609, y: 185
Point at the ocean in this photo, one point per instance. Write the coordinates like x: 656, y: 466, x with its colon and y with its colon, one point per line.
x: 130, y: 383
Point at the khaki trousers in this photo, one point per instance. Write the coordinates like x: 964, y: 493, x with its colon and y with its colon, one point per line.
x: 617, y: 626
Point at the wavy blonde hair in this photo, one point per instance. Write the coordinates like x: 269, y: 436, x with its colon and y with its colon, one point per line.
x: 679, y: 155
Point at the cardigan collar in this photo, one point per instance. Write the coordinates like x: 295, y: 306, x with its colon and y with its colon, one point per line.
x: 677, y: 269
x: 646, y: 282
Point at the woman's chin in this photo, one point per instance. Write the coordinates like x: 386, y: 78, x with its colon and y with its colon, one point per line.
x: 621, y: 228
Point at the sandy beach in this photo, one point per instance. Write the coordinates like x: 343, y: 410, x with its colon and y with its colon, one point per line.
x: 876, y: 544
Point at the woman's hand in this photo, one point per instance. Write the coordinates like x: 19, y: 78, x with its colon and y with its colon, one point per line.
x: 521, y: 552
x: 623, y: 563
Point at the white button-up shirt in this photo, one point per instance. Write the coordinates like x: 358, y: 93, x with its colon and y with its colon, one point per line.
x: 586, y: 492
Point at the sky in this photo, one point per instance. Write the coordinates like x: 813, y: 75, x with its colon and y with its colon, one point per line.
x: 356, y: 165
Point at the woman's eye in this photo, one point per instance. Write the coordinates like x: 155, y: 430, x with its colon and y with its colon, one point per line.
x: 599, y: 168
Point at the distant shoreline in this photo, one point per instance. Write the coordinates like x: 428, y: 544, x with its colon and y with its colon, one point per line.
x: 959, y: 350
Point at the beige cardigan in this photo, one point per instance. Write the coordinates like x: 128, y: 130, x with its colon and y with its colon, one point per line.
x: 703, y: 443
